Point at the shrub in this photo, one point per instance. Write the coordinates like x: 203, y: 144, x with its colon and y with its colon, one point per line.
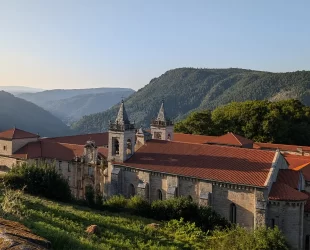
x: 116, y: 203
x: 98, y: 199
x: 39, y: 179
x: 90, y: 195
x: 138, y: 206
x: 175, y: 208
x: 208, y: 219
x: 243, y: 239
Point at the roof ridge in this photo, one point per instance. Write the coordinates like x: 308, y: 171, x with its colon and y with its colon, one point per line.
x: 236, y: 138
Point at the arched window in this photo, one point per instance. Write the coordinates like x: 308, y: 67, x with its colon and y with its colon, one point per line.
x: 159, y: 195
x: 115, y: 147
x: 169, y: 137
x: 131, y: 191
x: 129, y: 147
x: 233, y: 213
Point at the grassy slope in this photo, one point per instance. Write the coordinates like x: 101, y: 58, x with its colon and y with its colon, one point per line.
x: 64, y: 226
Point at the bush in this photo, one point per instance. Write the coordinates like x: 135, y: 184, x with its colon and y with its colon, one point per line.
x: 138, y: 206
x: 243, y: 239
x: 175, y: 208
x: 12, y: 203
x: 90, y: 195
x: 208, y: 219
x: 39, y: 179
x: 116, y: 203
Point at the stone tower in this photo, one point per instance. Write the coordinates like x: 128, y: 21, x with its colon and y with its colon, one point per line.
x: 121, y: 137
x: 162, y: 127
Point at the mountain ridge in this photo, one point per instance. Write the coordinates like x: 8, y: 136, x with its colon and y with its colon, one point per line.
x: 188, y: 89
x: 17, y: 112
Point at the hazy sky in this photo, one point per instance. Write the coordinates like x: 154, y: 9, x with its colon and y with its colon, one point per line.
x: 79, y: 44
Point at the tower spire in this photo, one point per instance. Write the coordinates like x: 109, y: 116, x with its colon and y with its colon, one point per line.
x: 161, y: 114
x: 122, y: 117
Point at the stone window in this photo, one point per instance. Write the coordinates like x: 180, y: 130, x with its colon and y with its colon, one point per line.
x: 59, y: 165
x: 159, y: 194
x: 131, y: 190
x: 4, y: 148
x: 233, y: 213
x: 129, y: 147
x: 69, y: 167
x: 115, y: 150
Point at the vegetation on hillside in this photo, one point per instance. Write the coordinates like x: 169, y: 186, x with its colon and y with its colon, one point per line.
x: 38, y: 178
x: 285, y: 122
x: 64, y: 225
x: 74, y: 108
x: 27, y: 116
x: 187, y: 89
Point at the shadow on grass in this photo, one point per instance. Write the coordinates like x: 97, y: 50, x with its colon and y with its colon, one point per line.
x: 111, y: 234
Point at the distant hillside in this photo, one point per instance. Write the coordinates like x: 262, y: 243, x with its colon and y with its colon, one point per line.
x: 74, y: 108
x: 43, y: 97
x: 17, y: 90
x: 188, y: 89
x: 28, y: 116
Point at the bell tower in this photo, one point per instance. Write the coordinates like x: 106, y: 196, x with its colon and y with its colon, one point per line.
x: 121, y: 137
x: 162, y: 127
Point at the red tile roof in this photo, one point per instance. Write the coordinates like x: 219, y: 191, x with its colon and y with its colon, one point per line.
x: 180, y: 137
x: 53, y: 150
x: 282, y: 147
x: 15, y: 133
x: 289, y: 177
x: 305, y: 169
x: 283, y: 192
x: 296, y: 160
x: 101, y: 139
x: 225, y: 164
x: 231, y: 139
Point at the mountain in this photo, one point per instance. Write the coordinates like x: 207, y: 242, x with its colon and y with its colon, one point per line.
x: 16, y: 90
x: 28, y: 116
x: 187, y: 89
x: 74, y: 108
x: 41, y: 98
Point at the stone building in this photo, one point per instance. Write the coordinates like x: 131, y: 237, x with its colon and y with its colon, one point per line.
x: 247, y: 184
x: 79, y: 159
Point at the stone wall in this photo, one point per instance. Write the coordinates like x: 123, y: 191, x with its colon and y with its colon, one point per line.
x: 19, y: 143
x: 5, y: 147
x: 289, y: 217
x: 306, y: 231
x: 6, y: 164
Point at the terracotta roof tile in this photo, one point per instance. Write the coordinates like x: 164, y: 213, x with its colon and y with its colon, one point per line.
x: 101, y: 139
x: 296, y: 160
x: 231, y: 139
x: 225, y: 164
x: 289, y: 177
x: 50, y: 150
x: 15, y: 133
x: 192, y: 138
x: 283, y: 192
x: 282, y: 147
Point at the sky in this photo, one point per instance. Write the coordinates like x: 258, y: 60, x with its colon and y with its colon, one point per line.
x: 80, y: 44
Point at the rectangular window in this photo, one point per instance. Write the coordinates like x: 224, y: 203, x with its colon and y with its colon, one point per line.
x: 4, y: 148
x: 272, y: 223
x: 59, y: 165
x: 69, y: 167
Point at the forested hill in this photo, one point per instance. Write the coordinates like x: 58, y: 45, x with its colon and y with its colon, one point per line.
x: 28, y: 116
x: 188, y: 89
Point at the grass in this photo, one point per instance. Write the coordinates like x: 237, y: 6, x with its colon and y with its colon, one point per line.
x: 64, y: 225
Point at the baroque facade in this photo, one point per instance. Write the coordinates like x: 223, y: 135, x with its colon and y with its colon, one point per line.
x: 248, y: 183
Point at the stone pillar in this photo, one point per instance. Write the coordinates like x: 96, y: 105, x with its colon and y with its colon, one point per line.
x: 260, y: 208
